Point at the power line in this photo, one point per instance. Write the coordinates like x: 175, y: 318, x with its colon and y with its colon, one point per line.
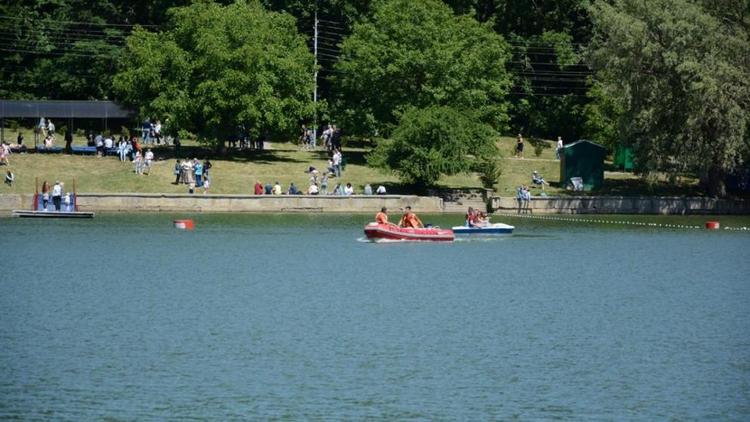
x: 122, y: 25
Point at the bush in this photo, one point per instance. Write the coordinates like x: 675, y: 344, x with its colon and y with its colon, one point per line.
x: 539, y: 145
x: 434, y: 141
x: 489, y: 171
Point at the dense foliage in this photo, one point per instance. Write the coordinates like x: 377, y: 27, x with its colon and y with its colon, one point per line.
x: 679, y: 75
x: 667, y: 77
x: 419, y: 54
x: 219, y: 70
x: 434, y: 141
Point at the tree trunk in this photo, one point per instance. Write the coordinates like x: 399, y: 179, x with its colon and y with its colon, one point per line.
x: 715, y: 185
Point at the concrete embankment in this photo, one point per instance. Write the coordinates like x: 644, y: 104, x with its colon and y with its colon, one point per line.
x: 623, y: 205
x: 236, y: 203
x: 369, y: 204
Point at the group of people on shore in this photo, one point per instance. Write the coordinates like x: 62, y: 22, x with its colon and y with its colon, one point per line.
x: 151, y: 132
x: 55, y: 193
x: 314, y: 188
x: 523, y: 196
x: 193, y: 173
x: 330, y: 138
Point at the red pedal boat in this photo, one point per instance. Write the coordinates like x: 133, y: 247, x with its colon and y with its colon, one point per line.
x: 375, y: 231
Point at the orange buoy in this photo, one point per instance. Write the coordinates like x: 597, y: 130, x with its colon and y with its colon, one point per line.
x: 184, y: 224
x: 712, y: 225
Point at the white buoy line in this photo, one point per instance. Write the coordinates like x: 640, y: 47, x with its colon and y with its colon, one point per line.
x: 604, y: 221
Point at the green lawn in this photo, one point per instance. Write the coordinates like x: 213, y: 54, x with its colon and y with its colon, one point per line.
x: 236, y: 173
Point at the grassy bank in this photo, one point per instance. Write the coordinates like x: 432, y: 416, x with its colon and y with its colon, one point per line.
x: 236, y: 173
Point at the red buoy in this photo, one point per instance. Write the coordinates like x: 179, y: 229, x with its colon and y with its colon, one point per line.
x: 184, y: 224
x: 712, y: 225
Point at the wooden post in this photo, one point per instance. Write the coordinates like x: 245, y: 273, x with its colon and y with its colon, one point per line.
x: 35, y: 205
x: 75, y: 196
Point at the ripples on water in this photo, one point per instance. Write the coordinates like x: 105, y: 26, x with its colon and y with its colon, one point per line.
x: 293, y: 317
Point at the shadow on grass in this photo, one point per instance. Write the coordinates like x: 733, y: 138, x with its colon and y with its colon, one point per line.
x: 232, y: 155
x: 355, y: 157
x: 636, y: 187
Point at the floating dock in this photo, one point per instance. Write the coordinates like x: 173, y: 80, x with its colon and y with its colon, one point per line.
x: 53, y: 214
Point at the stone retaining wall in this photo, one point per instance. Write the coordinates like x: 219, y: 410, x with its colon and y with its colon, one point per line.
x: 235, y: 203
x: 370, y: 204
x: 624, y: 205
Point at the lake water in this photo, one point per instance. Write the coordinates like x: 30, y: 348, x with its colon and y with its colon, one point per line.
x: 295, y: 317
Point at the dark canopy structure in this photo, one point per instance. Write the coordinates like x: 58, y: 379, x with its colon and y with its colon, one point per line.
x: 584, y: 159
x: 68, y: 110
x: 63, y: 109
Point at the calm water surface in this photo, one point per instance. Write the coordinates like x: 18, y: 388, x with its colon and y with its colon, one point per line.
x: 294, y: 317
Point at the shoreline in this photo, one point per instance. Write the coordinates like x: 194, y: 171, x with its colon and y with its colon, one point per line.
x: 220, y: 203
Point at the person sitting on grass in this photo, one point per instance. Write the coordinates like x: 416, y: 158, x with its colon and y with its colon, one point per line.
x: 409, y: 219
x: 292, y: 189
x: 537, y: 179
x: 313, y: 189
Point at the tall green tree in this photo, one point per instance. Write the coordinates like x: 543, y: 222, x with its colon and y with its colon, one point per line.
x: 58, y: 49
x: 217, y: 68
x: 682, y: 79
x: 419, y: 54
x: 434, y: 141
x: 549, y: 76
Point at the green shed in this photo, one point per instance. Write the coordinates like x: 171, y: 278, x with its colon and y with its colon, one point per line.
x: 623, y: 158
x: 585, y: 160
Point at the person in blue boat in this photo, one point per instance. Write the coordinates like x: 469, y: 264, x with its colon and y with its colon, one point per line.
x: 475, y: 218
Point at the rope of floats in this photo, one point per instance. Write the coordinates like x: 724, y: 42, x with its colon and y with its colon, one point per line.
x: 618, y: 222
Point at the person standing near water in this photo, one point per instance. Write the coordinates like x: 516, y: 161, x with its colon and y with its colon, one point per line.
x: 45, y: 195
x: 57, y: 195
x: 519, y: 147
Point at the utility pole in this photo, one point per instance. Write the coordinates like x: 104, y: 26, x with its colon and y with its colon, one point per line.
x: 315, y: 77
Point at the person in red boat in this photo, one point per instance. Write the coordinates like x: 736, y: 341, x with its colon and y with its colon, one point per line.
x: 409, y: 219
x: 382, y: 216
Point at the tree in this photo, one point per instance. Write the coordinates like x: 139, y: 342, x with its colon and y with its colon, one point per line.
x: 682, y: 78
x: 418, y: 54
x: 218, y: 70
x: 65, y: 50
x: 435, y: 141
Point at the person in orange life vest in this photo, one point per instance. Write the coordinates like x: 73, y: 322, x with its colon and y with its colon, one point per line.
x: 409, y: 219
x: 382, y: 216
